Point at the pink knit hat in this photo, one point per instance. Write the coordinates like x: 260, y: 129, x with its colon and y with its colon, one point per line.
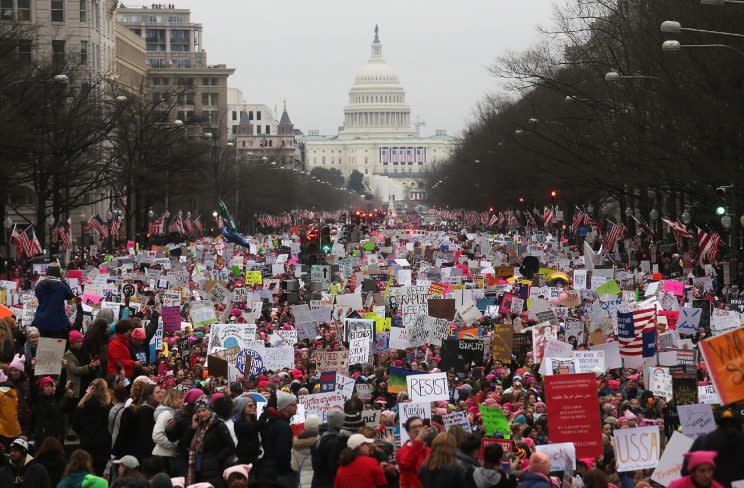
x: 696, y: 458
x: 243, y: 469
x: 75, y: 336
x: 18, y: 362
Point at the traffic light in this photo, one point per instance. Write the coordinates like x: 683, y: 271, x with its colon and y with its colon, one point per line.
x: 325, y: 240
x: 521, y: 200
x: 721, y: 208
x: 309, y: 245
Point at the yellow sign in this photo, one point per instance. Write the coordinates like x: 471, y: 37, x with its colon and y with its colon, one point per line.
x: 253, y: 278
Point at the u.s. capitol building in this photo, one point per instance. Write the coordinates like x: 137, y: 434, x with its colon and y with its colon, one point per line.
x: 376, y: 138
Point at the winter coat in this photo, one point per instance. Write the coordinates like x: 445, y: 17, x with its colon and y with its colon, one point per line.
x: 218, y: 449
x: 534, y: 480
x: 49, y: 419
x: 488, y: 478
x: 686, y: 482
x: 446, y: 477
x: 23, y: 392
x: 79, y: 374
x: 52, y: 294
x: 466, y: 462
x: 10, y: 428
x: 75, y: 480
x: 163, y: 447
x: 118, y: 352
x: 135, y: 433
x: 409, y: 457
x: 276, y: 436
x: 90, y: 421
x: 34, y: 475
x: 325, y: 455
x: 248, y: 447
x: 301, y: 461
x: 54, y: 467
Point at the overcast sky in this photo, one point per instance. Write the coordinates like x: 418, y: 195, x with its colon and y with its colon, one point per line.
x: 308, y: 51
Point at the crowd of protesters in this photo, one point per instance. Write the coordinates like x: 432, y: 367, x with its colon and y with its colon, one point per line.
x: 121, y: 415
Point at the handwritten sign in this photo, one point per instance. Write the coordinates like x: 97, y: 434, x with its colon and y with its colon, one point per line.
x: 724, y: 357
x: 456, y: 418
x: 494, y: 421
x: 559, y: 453
x: 636, y: 448
x: 331, y: 360
x: 670, y: 464
x: 171, y: 319
x: 49, y: 354
x: 428, y: 387
x: 696, y: 419
x: 320, y: 403
x: 407, y: 410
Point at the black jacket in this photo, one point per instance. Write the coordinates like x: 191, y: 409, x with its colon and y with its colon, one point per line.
x: 729, y: 444
x: 183, y: 423
x: 276, y: 436
x: 91, y: 423
x: 135, y: 433
x: 218, y: 449
x: 325, y: 455
x: 249, y: 441
x: 48, y: 417
x: 33, y: 475
x: 448, y: 477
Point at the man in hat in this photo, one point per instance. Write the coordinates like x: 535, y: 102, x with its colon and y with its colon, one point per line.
x: 23, y: 471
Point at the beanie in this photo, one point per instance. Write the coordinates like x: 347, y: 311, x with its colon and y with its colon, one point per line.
x: 161, y: 480
x: 696, y: 458
x: 18, y: 362
x: 138, y: 334
x: 284, y: 399
x: 335, y: 418
x: 192, y: 396
x: 75, y: 336
x: 312, y: 424
x: 91, y: 481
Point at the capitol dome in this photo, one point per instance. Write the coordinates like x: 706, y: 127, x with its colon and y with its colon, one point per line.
x: 377, y: 101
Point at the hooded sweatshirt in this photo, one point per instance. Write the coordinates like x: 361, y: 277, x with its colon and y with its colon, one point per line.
x: 163, y: 447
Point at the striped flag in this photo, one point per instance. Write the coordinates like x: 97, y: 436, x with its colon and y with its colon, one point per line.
x: 530, y: 221
x: 645, y: 228
x: 708, y: 244
x: 636, y: 332
x: 96, y: 223
x: 116, y: 225
x: 615, y: 232
x: 678, y: 228
x: 62, y: 234
x: 492, y: 220
x: 548, y: 216
x: 578, y: 220
x: 188, y: 225
x: 176, y: 224
x: 157, y: 226
x: 198, y: 223
x: 26, y: 243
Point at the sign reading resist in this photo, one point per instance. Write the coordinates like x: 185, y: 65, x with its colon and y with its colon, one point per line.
x: 428, y: 387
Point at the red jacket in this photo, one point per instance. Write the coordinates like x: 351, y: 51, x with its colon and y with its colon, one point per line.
x: 362, y: 472
x: 118, y: 351
x: 409, y: 457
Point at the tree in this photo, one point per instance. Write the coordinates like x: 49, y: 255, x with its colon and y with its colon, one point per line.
x: 332, y: 176
x: 356, y: 182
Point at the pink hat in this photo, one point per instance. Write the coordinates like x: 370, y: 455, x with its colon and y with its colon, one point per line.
x: 139, y: 334
x: 243, y: 469
x: 41, y: 382
x: 75, y: 336
x: 179, y: 482
x: 192, y: 396
x: 529, y: 441
x: 296, y: 374
x: 696, y: 458
x: 18, y: 362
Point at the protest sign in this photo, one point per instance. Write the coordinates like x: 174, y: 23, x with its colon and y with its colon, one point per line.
x: 724, y: 358
x: 501, y: 343
x: 441, y: 308
x: 358, y: 329
x: 320, y: 403
x: 253, y: 278
x: 571, y: 401
x: 494, y: 421
x: 359, y: 350
x: 708, y: 394
x: 559, y: 453
x: 612, y: 354
x: 689, y: 320
x: 428, y: 387
x: 456, y: 418
x: 589, y: 361
x: 696, y: 419
x: 407, y: 410
x: 555, y: 366
x: 660, y: 382
x: 722, y: 321
x: 670, y: 465
x: 345, y: 385
x: 521, y: 345
x: 397, y: 379
x: 417, y: 332
x: 278, y: 358
x: 411, y: 301
x: 364, y: 391
x: 49, y: 354
x: 202, y: 313
x: 331, y: 360
x: 371, y: 418
x: 437, y: 329
x: 171, y: 319
x: 636, y: 448
x: 684, y: 387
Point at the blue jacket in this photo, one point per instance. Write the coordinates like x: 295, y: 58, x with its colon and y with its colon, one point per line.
x: 52, y: 294
x: 534, y: 480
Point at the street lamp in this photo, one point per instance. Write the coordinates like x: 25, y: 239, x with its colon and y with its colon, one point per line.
x: 121, y: 99
x: 686, y: 217
x: 726, y: 222
x: 628, y: 212
x: 518, y: 132
x: 62, y: 79
x: 208, y: 135
x: 615, y: 76
x: 675, y: 46
x: 178, y: 122
x: 674, y: 27
x: 654, y: 215
x: 150, y: 214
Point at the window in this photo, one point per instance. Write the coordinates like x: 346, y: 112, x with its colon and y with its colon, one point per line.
x: 83, y: 10
x: 58, y: 52
x: 24, y: 51
x: 322, y: 160
x: 268, y: 129
x: 7, y: 10
x: 155, y: 39
x: 209, y: 98
x: 157, y: 98
x: 58, y: 10
x: 186, y: 81
x: 185, y: 115
x: 250, y: 115
x: 258, y: 129
x: 209, y: 81
x: 179, y: 40
x: 186, y: 99
x: 84, y: 52
x: 271, y: 143
x: 235, y: 115
x: 160, y: 81
x: 23, y: 13
x: 366, y: 171
x: 258, y: 115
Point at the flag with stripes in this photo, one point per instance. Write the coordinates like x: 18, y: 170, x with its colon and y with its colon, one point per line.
x: 636, y: 332
x: 176, y: 225
x: 530, y: 221
x: 96, y: 223
x: 188, y: 225
x: 15, y: 236
x: 708, y: 244
x: 512, y: 220
x: 679, y: 229
x: 645, y: 228
x: 62, y: 234
x: 157, y: 226
x: 198, y: 223
x: 484, y: 218
x: 578, y: 220
x: 27, y: 243
x: 548, y: 216
x: 615, y: 232
x: 593, y: 223
x: 116, y: 225
x: 492, y: 220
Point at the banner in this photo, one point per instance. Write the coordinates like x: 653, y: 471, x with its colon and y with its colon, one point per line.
x: 501, y: 343
x: 571, y: 400
x: 724, y: 357
x: 636, y: 448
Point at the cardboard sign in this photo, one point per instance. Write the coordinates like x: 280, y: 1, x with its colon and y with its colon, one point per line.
x: 428, y: 387
x: 501, y: 343
x: 589, y: 361
x: 441, y: 308
x: 320, y: 403
x: 49, y: 354
x: 636, y: 448
x: 456, y: 418
x: 696, y: 419
x: 660, y: 382
x: 494, y: 421
x: 559, y: 453
x: 724, y: 357
x: 571, y: 401
x: 407, y: 410
x: 708, y: 394
x: 670, y: 465
x: 171, y: 319
x: 331, y: 360
x: 371, y: 418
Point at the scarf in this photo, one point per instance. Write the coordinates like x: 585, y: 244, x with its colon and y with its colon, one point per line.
x: 196, y: 449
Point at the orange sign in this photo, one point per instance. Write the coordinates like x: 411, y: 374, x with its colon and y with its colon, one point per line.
x: 724, y: 356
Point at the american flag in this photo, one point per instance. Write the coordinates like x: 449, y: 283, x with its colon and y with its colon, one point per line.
x: 96, y: 223
x: 678, y: 228
x: 484, y: 218
x: 615, y: 232
x: 530, y: 221
x: 708, y: 244
x: 548, y: 216
x: 502, y: 219
x: 492, y: 220
x: 176, y: 225
x: 16, y: 236
x: 645, y: 228
x: 157, y: 226
x: 63, y: 234
x: 188, y: 225
x: 636, y: 332
x: 116, y: 225
x: 578, y: 220
x: 26, y: 242
x: 512, y: 220
x: 198, y: 224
